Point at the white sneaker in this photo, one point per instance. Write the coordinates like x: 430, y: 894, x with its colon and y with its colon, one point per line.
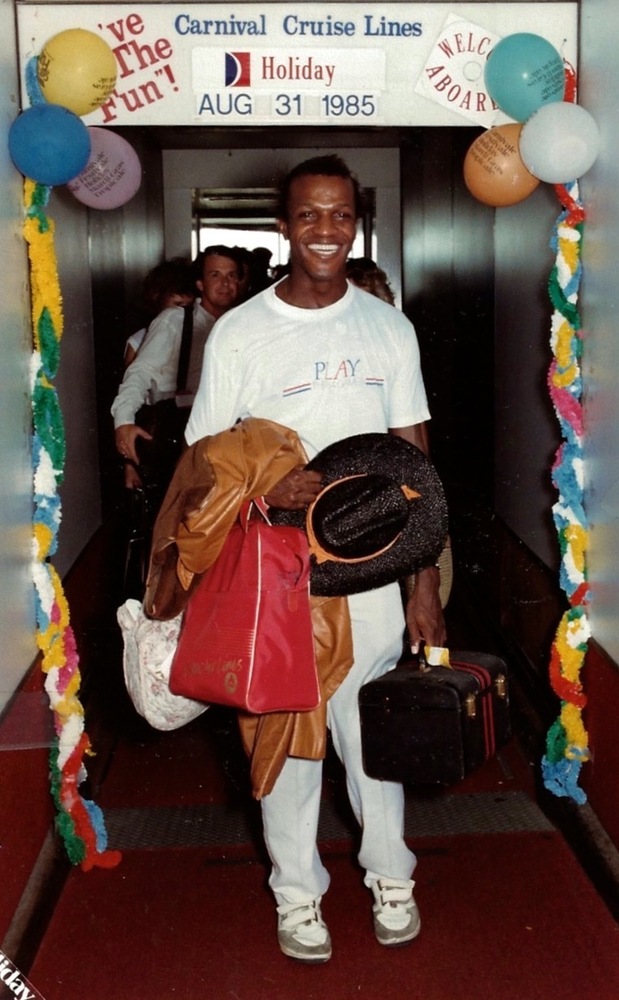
x: 396, y: 917
x: 302, y: 933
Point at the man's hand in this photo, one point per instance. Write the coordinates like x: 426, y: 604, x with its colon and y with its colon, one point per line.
x: 126, y: 437
x: 296, y: 490
x: 133, y: 479
x: 424, y: 614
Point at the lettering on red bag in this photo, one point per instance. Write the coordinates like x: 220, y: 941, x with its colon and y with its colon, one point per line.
x: 219, y: 666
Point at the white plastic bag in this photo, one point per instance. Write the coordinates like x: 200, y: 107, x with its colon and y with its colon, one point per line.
x: 149, y: 647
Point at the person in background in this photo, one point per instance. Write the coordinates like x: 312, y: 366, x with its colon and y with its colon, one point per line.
x: 152, y: 375
x: 260, y: 269
x: 149, y: 456
x: 365, y: 273
x: 318, y: 355
x: 168, y: 284
x: 255, y: 273
x: 244, y: 258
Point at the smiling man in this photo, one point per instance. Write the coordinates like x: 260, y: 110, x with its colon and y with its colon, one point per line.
x: 328, y: 360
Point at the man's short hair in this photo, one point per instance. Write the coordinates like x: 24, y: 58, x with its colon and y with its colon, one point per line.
x: 217, y: 250
x: 329, y: 165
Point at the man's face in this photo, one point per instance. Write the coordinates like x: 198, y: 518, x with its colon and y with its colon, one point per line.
x: 219, y: 285
x: 321, y: 225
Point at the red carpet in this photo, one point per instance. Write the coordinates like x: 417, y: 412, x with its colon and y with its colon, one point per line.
x: 507, y: 911
x: 508, y: 917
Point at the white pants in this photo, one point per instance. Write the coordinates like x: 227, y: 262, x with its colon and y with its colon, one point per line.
x: 290, y: 812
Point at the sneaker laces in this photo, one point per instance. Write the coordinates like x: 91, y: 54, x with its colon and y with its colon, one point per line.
x: 394, y: 902
x: 304, y: 922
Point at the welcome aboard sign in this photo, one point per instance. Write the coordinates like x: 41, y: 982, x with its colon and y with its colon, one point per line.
x: 381, y: 64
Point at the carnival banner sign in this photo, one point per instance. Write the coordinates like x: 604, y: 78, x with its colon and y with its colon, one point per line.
x: 382, y: 64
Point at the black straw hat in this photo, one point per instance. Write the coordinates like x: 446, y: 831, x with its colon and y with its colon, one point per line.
x: 381, y: 515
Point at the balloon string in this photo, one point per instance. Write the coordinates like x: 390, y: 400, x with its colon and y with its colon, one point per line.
x: 574, y: 210
x: 35, y: 95
x: 571, y: 83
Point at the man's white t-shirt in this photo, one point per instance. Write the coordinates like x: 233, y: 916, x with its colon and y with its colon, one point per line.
x: 349, y: 368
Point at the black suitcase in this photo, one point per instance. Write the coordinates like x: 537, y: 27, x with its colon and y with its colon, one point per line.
x: 433, y: 725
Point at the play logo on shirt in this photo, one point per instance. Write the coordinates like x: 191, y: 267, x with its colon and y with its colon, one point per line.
x: 238, y: 69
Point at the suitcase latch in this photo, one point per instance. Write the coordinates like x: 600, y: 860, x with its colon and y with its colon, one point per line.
x: 470, y: 704
x: 501, y: 686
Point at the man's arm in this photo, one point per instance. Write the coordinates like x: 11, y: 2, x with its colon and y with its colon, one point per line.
x: 155, y: 364
x: 416, y: 434
x: 424, y: 614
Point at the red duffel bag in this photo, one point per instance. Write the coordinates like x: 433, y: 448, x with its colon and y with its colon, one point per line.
x: 246, y: 639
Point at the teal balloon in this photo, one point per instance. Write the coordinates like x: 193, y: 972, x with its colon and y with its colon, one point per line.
x: 523, y: 72
x: 49, y: 144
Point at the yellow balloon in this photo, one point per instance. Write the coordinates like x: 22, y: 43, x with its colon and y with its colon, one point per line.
x: 77, y: 69
x: 493, y: 170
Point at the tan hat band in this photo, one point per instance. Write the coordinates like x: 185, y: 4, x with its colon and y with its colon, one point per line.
x: 323, y: 555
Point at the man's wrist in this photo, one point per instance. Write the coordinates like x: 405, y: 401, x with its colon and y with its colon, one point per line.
x: 411, y: 582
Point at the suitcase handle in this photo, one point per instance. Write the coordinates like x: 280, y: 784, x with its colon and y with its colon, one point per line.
x: 427, y: 657
x: 435, y: 656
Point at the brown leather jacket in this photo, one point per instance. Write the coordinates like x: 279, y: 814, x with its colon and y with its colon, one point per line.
x: 213, y: 478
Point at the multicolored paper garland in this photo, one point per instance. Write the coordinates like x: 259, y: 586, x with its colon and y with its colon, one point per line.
x: 79, y: 821
x: 567, y: 740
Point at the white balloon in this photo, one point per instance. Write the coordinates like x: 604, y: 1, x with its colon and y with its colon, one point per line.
x: 559, y: 142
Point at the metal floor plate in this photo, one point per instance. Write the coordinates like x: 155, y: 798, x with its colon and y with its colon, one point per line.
x: 212, y: 825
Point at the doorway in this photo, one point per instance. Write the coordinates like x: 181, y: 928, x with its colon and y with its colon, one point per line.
x: 432, y: 239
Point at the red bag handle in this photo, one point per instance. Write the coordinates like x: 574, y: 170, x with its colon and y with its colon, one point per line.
x: 246, y: 511
x: 261, y: 505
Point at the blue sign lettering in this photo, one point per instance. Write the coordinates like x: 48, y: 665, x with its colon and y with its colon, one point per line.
x: 226, y: 104
x: 325, y: 28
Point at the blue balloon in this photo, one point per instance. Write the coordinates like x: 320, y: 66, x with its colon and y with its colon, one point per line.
x: 522, y: 73
x: 49, y: 144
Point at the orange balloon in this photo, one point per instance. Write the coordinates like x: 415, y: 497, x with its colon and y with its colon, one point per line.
x: 493, y: 170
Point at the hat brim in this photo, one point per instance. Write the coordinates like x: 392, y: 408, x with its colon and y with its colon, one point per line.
x: 422, y: 536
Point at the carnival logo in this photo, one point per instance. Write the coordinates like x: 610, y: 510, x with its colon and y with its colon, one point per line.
x: 231, y: 682
x: 238, y: 69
